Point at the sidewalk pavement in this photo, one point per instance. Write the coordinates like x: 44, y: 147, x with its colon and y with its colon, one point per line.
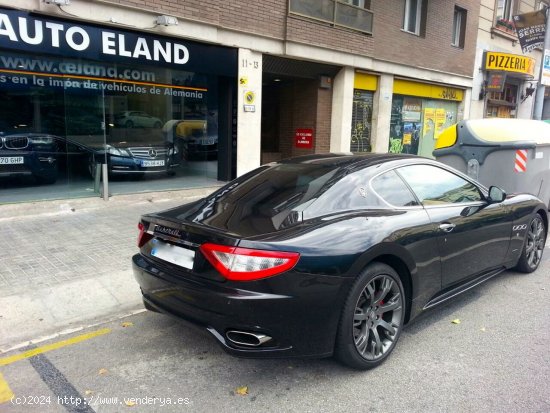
x: 66, y: 264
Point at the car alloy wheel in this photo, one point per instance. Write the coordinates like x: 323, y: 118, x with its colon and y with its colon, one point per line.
x: 535, y: 238
x: 372, y: 318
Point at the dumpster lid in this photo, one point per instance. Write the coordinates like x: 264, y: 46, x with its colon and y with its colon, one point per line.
x: 496, y: 130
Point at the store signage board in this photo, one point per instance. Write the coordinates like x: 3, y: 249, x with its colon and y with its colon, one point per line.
x: 530, y: 28
x: 510, y: 63
x: 495, y: 82
x: 545, y: 80
x: 304, y: 138
x: 412, y: 110
x: 33, y: 33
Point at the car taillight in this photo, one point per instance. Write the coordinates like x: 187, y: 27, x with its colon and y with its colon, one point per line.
x: 143, y: 236
x: 244, y: 264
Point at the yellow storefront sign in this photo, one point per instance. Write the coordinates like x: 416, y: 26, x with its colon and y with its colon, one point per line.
x: 426, y: 90
x: 365, y: 81
x: 505, y: 62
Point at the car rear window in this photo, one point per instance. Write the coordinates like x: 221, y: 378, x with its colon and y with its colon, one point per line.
x: 270, y: 199
x: 282, y: 187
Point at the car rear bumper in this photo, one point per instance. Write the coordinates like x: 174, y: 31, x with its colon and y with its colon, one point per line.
x: 301, y: 322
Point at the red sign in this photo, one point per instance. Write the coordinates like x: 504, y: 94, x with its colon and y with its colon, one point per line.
x: 304, y: 138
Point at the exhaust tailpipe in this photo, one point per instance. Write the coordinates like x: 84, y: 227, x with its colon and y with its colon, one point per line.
x: 244, y: 338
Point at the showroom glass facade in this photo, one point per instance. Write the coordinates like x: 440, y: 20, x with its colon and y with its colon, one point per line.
x: 76, y: 96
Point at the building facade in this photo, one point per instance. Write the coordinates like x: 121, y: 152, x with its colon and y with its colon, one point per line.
x: 505, y: 79
x: 188, y: 93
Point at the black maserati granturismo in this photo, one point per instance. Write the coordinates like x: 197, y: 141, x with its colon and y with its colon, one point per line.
x: 332, y: 254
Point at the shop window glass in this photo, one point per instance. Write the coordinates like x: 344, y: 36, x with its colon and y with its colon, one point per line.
x: 361, y: 121
x: 156, y: 128
x: 459, y: 27
x: 416, y: 123
x: 503, y: 104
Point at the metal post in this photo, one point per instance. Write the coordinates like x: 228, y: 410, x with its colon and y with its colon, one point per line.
x: 105, y: 182
x: 539, y: 98
x: 97, y: 176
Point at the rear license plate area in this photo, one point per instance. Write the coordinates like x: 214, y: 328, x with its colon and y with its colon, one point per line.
x: 173, y: 254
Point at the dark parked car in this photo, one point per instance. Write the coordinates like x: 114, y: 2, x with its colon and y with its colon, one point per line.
x: 128, y: 159
x: 29, y: 154
x: 332, y: 254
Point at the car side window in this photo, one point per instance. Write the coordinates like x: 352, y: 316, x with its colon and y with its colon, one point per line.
x: 390, y: 187
x: 433, y: 185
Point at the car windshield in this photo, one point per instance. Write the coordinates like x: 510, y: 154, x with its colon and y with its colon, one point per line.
x: 271, y: 199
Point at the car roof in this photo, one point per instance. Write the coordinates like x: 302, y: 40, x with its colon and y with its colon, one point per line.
x: 346, y: 160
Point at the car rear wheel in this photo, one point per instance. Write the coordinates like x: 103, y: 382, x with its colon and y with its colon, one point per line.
x: 372, y: 318
x: 533, y: 246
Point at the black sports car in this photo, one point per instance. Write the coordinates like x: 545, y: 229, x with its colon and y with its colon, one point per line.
x: 332, y: 254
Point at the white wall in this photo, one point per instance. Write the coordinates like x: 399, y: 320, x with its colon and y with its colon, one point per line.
x: 249, y: 123
x: 381, y: 115
x: 342, y: 107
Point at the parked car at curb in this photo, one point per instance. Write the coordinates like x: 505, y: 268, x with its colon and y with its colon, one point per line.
x: 332, y: 254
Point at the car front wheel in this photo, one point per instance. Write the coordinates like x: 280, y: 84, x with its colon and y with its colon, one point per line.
x: 372, y: 318
x: 533, y: 247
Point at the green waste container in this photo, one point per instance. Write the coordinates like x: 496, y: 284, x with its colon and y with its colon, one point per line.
x: 513, y: 154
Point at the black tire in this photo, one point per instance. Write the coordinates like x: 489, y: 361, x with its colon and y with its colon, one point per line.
x: 372, y: 318
x: 533, y: 246
x: 157, y: 125
x: 129, y: 124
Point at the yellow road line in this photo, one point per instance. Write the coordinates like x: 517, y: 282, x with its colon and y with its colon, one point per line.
x: 53, y: 346
x: 5, y: 391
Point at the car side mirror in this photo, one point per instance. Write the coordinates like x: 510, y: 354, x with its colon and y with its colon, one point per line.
x: 496, y: 195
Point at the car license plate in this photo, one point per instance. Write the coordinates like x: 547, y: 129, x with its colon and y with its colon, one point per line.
x: 173, y: 254
x: 152, y: 163
x: 11, y: 160
x: 207, y: 142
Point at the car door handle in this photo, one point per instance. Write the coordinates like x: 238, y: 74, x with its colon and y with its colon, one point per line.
x: 447, y: 227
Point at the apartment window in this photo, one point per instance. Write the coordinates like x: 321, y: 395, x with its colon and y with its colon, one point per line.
x: 353, y: 14
x: 414, y: 20
x: 459, y: 27
x: 505, y: 12
x: 364, y: 4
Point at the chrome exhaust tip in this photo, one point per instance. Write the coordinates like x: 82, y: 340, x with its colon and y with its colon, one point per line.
x: 244, y: 338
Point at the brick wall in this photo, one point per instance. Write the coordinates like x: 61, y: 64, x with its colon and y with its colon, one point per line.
x: 432, y: 51
x: 388, y: 42
x: 304, y: 105
x: 324, y: 111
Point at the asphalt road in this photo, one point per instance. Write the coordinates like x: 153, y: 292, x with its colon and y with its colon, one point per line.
x: 497, y: 359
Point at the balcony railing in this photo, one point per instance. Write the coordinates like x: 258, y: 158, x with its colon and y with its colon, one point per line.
x: 334, y: 12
